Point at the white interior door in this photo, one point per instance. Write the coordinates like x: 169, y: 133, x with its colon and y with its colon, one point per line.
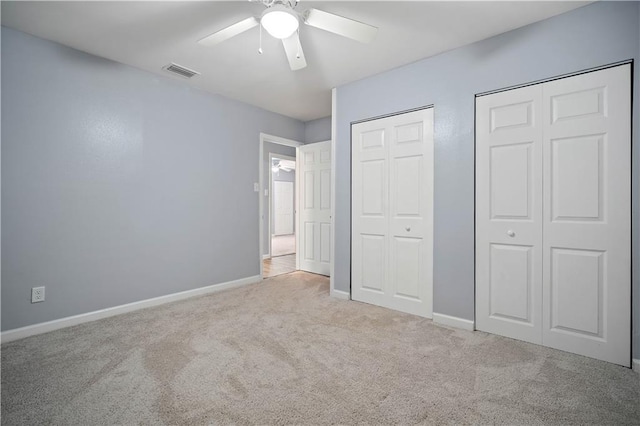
x: 392, y: 212
x: 314, y: 233
x: 282, y: 208
x: 587, y: 214
x: 553, y: 225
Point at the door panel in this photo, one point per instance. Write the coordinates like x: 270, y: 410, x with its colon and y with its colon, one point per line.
x: 511, y: 181
x: 587, y: 214
x: 309, y: 241
x: 576, y: 181
x: 372, y: 265
x: 392, y: 212
x: 510, y: 281
x: 508, y: 214
x: 309, y: 189
x: 315, y: 211
x: 407, y: 269
x: 408, y: 171
x: 576, y: 291
x: 373, y: 191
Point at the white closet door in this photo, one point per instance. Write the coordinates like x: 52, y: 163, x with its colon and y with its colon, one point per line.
x: 314, y: 171
x: 392, y: 212
x: 587, y: 214
x: 553, y: 214
x: 508, y: 214
x: 283, y: 208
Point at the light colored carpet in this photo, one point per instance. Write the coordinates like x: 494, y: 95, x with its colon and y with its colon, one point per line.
x: 282, y: 351
x: 282, y: 245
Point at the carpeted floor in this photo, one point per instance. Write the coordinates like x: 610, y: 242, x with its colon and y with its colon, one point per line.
x: 282, y: 351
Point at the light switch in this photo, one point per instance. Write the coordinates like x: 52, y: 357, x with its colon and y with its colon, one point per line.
x: 256, y: 187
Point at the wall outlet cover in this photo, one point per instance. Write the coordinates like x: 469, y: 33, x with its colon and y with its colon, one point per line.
x: 37, y: 294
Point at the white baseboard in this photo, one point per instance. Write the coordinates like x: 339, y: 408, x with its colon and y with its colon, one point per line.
x: 635, y: 365
x: 450, y: 321
x: 266, y: 256
x: 339, y: 294
x: 44, y: 327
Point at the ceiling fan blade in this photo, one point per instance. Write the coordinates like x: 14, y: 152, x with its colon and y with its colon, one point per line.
x: 339, y: 25
x: 294, y: 52
x: 230, y: 31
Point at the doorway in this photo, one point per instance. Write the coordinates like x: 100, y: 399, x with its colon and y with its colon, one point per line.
x: 277, y: 164
x: 282, y: 227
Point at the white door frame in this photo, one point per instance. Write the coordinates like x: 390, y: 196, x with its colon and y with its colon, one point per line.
x: 270, y: 197
x: 332, y: 270
x: 264, y: 137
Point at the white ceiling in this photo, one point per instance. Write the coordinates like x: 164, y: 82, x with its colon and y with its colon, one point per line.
x: 149, y: 35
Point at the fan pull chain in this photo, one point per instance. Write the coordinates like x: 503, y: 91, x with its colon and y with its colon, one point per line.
x: 298, y: 53
x: 260, y: 46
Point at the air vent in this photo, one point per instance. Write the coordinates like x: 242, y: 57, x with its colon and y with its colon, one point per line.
x: 180, y: 70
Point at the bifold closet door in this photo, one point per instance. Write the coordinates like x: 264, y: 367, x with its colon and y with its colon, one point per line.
x: 553, y: 214
x: 392, y: 212
x: 509, y: 214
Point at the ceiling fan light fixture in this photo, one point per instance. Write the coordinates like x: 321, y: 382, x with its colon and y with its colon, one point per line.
x: 280, y: 21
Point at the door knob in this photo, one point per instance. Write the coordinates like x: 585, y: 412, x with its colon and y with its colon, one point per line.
x: 408, y: 228
x: 511, y: 233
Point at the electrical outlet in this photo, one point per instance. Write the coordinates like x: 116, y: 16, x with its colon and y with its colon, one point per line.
x: 37, y: 294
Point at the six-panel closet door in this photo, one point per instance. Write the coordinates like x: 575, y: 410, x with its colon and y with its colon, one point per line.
x: 392, y: 212
x: 553, y: 214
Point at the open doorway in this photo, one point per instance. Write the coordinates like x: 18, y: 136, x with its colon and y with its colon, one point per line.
x: 282, y: 223
x: 278, y: 216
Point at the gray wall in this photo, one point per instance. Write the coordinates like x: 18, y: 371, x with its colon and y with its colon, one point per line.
x: 594, y: 35
x: 119, y: 185
x: 272, y: 148
x: 317, y: 130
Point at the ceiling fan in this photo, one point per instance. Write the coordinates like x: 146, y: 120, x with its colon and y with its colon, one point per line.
x: 282, y: 21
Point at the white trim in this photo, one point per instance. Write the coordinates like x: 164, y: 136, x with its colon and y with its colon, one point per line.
x: 339, y: 294
x: 281, y: 141
x: 266, y: 256
x: 456, y: 322
x: 635, y: 365
x: 44, y: 327
x: 297, y: 205
x: 269, y: 199
x: 332, y: 268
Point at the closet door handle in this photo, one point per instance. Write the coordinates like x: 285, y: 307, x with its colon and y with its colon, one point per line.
x: 408, y: 228
x: 511, y: 233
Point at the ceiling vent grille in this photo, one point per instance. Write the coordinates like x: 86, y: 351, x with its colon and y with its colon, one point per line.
x: 180, y: 70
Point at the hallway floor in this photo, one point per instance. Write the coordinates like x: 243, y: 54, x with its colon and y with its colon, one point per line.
x: 279, y: 265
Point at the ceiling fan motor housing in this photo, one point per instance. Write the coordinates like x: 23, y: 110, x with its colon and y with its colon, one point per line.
x: 280, y: 21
